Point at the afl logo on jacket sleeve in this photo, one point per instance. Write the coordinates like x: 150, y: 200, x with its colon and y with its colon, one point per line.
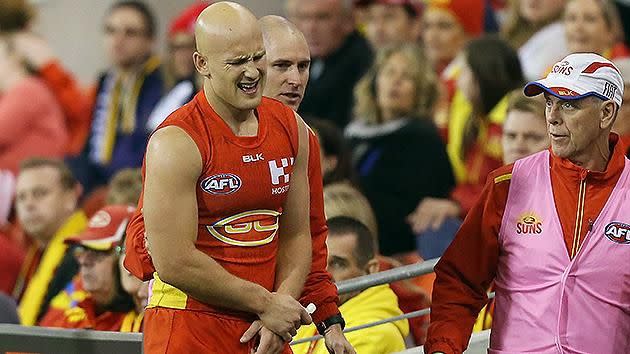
x: 618, y: 232
x: 221, y: 184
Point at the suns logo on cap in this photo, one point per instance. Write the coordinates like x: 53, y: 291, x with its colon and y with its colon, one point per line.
x: 530, y: 224
x: 100, y: 219
x: 562, y: 67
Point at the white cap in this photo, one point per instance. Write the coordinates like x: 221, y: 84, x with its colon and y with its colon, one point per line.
x: 580, y: 75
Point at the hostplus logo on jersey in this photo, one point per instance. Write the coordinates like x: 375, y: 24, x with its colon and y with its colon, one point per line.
x: 221, y: 184
x: 529, y: 224
x: 280, y: 175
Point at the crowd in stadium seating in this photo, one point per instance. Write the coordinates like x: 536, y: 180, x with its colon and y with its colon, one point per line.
x: 414, y: 102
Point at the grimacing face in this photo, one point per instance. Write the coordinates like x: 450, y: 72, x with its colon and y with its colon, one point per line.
x: 237, y: 71
x: 288, y: 63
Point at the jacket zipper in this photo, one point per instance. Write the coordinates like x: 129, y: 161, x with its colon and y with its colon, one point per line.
x: 580, y: 215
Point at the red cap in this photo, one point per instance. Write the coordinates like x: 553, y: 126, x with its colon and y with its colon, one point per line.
x: 415, y: 5
x: 469, y: 13
x: 105, y: 229
x: 185, y: 21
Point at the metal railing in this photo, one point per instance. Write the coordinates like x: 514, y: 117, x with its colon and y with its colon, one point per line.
x: 58, y: 341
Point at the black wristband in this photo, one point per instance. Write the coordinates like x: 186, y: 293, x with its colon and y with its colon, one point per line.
x: 332, y: 320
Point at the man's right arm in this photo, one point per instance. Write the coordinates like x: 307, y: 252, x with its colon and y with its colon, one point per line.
x: 467, y: 268
x: 173, y: 166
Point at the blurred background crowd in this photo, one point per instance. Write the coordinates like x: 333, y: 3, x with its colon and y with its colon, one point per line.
x: 414, y: 103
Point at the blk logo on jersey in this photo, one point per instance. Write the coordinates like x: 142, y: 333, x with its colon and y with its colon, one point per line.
x: 221, y: 184
x: 247, y: 229
x: 618, y: 232
x: 253, y: 158
x: 529, y: 224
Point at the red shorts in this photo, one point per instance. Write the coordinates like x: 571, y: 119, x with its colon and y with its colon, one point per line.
x: 169, y: 331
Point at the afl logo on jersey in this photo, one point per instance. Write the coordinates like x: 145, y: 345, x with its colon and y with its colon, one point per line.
x: 247, y: 229
x: 618, y: 232
x: 222, y: 184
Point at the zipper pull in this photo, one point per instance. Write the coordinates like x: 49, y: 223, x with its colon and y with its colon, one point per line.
x: 590, y: 225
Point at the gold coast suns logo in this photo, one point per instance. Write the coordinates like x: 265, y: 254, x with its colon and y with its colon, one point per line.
x: 247, y: 229
x: 530, y: 224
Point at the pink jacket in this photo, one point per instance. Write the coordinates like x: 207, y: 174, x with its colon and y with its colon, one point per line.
x: 545, y: 301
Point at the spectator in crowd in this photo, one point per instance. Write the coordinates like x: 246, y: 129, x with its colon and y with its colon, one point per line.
x: 344, y: 200
x: 352, y: 253
x: 535, y: 29
x: 524, y: 129
x: 180, y: 77
x: 391, y: 22
x: 95, y: 299
x: 126, y: 94
x: 31, y: 120
x: 622, y: 124
x: 447, y: 26
x: 594, y: 26
x: 125, y: 187
x: 16, y: 17
x: 340, y: 56
x: 568, y: 300
x: 335, y: 154
x: 46, y: 208
x: 139, y: 292
x: 392, y: 136
x: 491, y: 70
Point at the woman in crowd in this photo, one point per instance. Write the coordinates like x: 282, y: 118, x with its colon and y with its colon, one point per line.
x: 535, y: 29
x: 594, y: 26
x: 490, y: 70
x: 622, y: 124
x: 396, y: 148
x: 335, y: 155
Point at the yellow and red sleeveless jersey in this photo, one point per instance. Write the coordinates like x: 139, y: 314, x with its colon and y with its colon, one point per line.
x: 240, y: 194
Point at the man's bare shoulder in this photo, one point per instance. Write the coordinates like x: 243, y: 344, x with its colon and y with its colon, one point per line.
x: 172, y: 148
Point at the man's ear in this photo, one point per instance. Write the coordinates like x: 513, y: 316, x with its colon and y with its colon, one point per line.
x: 201, y: 64
x: 372, y: 266
x: 608, y: 114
